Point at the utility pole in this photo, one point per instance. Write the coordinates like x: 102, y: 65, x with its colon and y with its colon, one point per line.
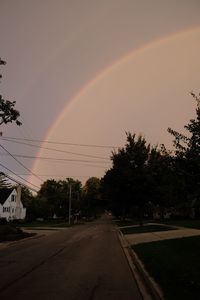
x: 70, y: 200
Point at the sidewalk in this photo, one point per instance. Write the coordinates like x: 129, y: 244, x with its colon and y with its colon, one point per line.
x: 139, y: 238
x: 150, y: 290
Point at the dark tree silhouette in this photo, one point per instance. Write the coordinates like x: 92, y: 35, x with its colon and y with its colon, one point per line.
x: 8, y: 113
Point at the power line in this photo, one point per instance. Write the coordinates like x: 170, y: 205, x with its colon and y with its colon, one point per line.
x: 19, y: 162
x: 57, y: 176
x: 19, y: 182
x: 19, y: 176
x: 56, y: 159
x: 71, y: 161
x: 61, y: 143
x: 53, y: 149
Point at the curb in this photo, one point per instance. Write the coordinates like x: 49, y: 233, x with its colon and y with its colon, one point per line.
x: 149, y: 289
x: 4, y: 245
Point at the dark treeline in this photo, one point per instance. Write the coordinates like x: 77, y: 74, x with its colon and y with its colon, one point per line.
x: 52, y: 200
x: 150, y: 181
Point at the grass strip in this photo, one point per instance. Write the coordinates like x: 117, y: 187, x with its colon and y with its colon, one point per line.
x: 126, y: 223
x: 184, y: 223
x: 145, y: 228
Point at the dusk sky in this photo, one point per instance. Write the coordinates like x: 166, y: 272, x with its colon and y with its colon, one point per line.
x: 86, y: 72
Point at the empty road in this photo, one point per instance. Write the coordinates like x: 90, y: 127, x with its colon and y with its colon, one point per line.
x: 83, y: 262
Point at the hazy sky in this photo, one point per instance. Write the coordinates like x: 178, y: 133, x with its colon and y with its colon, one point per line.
x: 86, y: 72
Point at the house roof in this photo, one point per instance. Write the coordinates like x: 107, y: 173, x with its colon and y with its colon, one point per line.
x: 4, y: 194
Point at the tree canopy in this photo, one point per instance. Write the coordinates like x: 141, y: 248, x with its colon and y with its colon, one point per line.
x: 8, y: 113
x: 188, y: 156
x: 56, y: 195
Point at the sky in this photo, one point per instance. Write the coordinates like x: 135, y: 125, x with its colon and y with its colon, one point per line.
x: 86, y: 72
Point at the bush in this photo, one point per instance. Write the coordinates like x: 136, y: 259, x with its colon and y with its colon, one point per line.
x: 3, y: 221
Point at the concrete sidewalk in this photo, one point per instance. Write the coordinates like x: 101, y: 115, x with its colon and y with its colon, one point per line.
x: 139, y: 238
x: 148, y: 287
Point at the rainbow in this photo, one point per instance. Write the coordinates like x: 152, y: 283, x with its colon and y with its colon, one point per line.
x: 90, y: 83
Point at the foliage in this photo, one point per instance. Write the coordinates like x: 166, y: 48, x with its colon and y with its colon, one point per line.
x: 9, y: 232
x: 144, y: 178
x: 3, y: 181
x: 8, y: 113
x: 126, y: 184
x: 91, y: 203
x: 57, y: 193
x: 27, y: 199
x: 188, y: 157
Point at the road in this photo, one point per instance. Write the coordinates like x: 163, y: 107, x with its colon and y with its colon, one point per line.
x: 83, y: 262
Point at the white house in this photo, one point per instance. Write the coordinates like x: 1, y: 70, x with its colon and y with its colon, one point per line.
x: 11, y: 206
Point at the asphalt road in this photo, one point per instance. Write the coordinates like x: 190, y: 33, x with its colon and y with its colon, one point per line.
x: 83, y: 262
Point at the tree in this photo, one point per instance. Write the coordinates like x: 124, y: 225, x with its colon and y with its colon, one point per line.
x: 29, y: 202
x: 56, y: 194
x: 8, y: 113
x: 126, y: 184
x: 3, y: 181
x: 162, y: 179
x: 2, y: 62
x: 188, y: 157
x: 186, y: 145
x: 91, y: 194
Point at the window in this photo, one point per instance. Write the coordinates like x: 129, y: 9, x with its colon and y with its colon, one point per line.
x: 13, y: 198
x: 6, y: 209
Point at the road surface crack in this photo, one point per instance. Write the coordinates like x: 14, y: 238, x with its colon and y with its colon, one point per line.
x: 7, y: 285
x: 92, y: 295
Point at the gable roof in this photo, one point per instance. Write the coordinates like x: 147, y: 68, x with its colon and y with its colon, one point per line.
x: 4, y: 194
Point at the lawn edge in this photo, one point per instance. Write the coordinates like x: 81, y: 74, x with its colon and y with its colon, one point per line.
x: 6, y: 244
x: 149, y: 289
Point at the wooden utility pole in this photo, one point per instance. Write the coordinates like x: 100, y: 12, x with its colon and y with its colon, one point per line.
x: 70, y: 200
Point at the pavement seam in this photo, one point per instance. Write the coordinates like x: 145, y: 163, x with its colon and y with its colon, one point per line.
x: 149, y: 289
x: 42, y: 262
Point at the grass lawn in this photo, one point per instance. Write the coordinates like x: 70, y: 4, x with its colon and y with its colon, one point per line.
x: 184, y: 223
x: 175, y: 266
x: 11, y: 233
x: 145, y: 228
x: 121, y: 223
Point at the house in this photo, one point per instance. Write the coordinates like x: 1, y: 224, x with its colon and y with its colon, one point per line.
x: 11, y: 206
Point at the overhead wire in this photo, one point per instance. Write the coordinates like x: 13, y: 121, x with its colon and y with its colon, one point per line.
x: 18, y: 176
x: 57, y: 175
x: 86, y: 163
x: 19, y: 182
x: 57, y: 159
x: 61, y: 143
x: 53, y: 149
x: 20, y: 163
x: 17, y: 141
